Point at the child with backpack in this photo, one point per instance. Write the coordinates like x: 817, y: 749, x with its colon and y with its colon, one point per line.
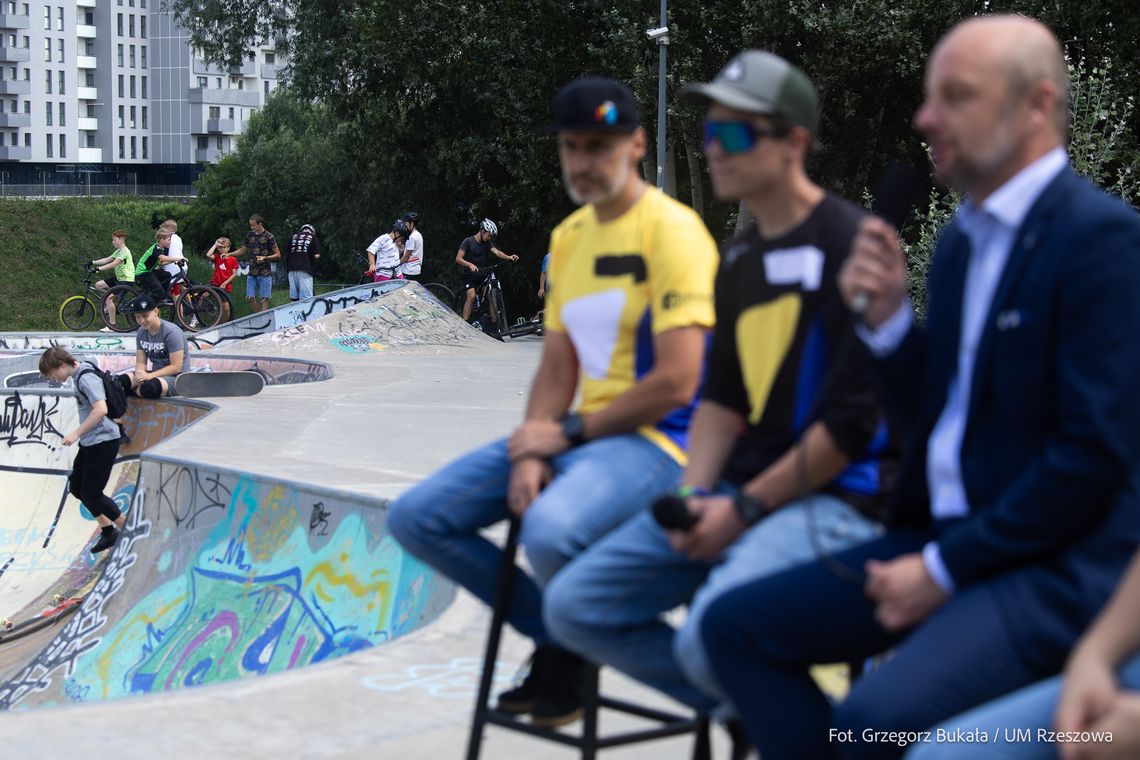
x: 99, y: 397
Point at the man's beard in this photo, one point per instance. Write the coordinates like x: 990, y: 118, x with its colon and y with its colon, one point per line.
x: 606, y: 193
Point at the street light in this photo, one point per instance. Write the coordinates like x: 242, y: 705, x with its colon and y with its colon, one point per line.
x: 661, y: 35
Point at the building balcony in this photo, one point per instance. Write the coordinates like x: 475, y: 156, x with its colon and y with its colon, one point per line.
x: 15, y: 87
x: 86, y: 62
x: 207, y: 155
x: 13, y: 21
x: 89, y: 123
x: 15, y: 120
x: 220, y: 126
x: 15, y: 153
x: 85, y: 31
x: 215, y: 97
x: 90, y: 155
x: 85, y: 3
x: 247, y: 69
x: 87, y: 93
x: 15, y: 54
x: 268, y: 71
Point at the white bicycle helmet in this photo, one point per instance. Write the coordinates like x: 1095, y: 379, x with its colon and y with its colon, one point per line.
x: 489, y: 227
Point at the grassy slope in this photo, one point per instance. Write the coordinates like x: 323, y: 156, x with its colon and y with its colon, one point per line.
x: 43, y: 245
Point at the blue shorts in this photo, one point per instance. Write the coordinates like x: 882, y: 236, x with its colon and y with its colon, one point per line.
x: 259, y: 286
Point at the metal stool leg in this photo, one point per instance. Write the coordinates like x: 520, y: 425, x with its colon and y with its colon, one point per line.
x: 491, y: 655
x: 702, y: 744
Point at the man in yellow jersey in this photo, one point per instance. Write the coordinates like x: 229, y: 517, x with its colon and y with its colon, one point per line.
x: 788, y: 450
x: 627, y: 322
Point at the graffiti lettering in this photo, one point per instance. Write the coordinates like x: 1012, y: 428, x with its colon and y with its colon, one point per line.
x: 31, y: 424
x: 319, y: 522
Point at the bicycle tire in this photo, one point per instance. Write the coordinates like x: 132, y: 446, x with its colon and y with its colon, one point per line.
x: 500, y: 309
x: 124, y: 320
x: 198, y: 307
x: 227, y: 304
x: 77, y: 313
x: 444, y: 294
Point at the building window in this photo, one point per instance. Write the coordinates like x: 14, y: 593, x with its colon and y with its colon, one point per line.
x: 63, y: 146
x: 144, y: 87
x: 142, y: 52
x: 15, y: 139
x: 122, y: 150
x: 142, y: 4
x: 131, y: 27
x: 90, y: 139
x: 48, y: 114
x: 218, y: 82
x: 27, y: 42
x: 132, y: 56
x: 121, y: 111
x: 50, y: 146
x: 131, y: 3
x: 132, y: 85
x: 120, y: 56
x: 133, y: 112
x: 62, y: 84
x: 241, y: 82
x: 203, y: 143
x: 27, y: 75
x: 215, y: 112
x: 28, y: 107
x: 121, y: 90
x: 91, y: 110
x: 144, y: 117
x: 266, y: 87
x: 26, y: 9
x: 219, y: 143
x: 12, y: 40
x: 47, y: 17
x: 63, y: 114
x: 12, y: 6
x: 144, y: 147
x: 134, y: 153
x: 12, y: 73
x: 203, y: 82
x: 89, y: 18
x: 59, y: 51
x: 47, y: 49
x: 59, y: 19
x: 89, y: 78
x: 15, y: 105
x: 47, y: 81
x: 27, y: 139
x: 142, y: 25
x: 231, y: 114
x: 119, y: 29
x: 271, y: 58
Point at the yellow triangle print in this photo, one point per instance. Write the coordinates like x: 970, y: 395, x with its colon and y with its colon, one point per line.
x: 763, y: 335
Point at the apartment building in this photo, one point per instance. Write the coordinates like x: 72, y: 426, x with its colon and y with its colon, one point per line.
x: 110, y: 91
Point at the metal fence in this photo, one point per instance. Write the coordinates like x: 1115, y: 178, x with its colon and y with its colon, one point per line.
x: 45, y: 190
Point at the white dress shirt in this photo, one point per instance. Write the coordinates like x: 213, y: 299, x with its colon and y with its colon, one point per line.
x: 991, y: 229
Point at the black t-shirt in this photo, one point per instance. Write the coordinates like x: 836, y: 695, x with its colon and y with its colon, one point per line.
x: 475, y: 252
x: 780, y: 323
x: 302, y: 247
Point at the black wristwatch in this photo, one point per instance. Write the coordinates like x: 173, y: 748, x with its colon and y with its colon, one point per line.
x: 750, y: 509
x: 573, y: 428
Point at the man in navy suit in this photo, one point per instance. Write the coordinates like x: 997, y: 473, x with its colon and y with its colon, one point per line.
x: 1017, y: 506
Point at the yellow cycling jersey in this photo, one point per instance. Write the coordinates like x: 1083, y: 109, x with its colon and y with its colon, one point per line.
x: 615, y: 285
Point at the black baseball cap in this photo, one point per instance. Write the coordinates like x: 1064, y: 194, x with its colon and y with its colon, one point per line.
x: 757, y: 81
x: 595, y: 104
x: 145, y: 302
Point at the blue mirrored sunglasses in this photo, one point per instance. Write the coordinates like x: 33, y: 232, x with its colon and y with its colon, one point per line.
x: 737, y: 136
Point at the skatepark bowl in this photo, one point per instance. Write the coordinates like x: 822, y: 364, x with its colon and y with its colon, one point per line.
x: 236, y: 560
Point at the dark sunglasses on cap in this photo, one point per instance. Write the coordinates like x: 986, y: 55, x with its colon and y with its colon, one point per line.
x: 739, y: 136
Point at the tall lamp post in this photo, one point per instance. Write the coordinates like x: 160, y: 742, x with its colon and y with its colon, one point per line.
x: 661, y: 35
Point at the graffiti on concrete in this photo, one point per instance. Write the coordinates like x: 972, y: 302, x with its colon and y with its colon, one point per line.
x: 74, y: 342
x: 30, y: 420
x: 457, y: 679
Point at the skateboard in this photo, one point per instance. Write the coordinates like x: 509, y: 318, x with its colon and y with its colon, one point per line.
x: 208, y: 384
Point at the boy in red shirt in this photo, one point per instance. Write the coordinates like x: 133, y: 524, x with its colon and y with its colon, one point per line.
x: 225, y: 269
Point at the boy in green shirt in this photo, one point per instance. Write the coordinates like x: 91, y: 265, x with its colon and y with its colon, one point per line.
x: 121, y: 261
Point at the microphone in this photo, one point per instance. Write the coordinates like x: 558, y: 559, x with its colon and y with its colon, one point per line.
x: 672, y: 513
x: 895, y: 196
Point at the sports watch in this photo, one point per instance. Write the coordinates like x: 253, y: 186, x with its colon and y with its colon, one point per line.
x: 573, y: 428
x: 750, y: 509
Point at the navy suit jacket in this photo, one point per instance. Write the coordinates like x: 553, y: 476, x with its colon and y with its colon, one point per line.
x: 1052, y: 440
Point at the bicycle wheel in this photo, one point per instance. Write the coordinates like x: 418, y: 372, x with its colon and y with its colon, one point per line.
x: 198, y: 308
x: 227, y: 304
x: 442, y: 293
x: 500, y: 310
x: 115, y: 308
x: 77, y: 313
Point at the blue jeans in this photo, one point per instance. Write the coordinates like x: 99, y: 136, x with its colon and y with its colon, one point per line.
x: 596, y: 488
x: 1010, y: 718
x: 259, y: 286
x: 607, y: 604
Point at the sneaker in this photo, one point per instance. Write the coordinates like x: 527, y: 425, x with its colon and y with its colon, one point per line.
x: 124, y: 439
x: 559, y: 697
x: 520, y: 699
x: 107, y: 538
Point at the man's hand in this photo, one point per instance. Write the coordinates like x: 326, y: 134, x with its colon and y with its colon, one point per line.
x: 514, y: 257
x: 717, y: 526
x: 876, y: 269
x: 541, y: 293
x: 903, y: 591
x: 139, y: 376
x: 70, y: 438
x: 1087, y: 696
x: 528, y: 477
x: 472, y: 267
x: 1122, y: 720
x: 537, y: 438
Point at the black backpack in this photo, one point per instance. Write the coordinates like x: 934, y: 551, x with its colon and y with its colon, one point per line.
x: 116, y: 396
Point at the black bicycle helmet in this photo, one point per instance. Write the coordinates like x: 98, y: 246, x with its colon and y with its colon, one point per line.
x: 411, y: 216
x: 401, y: 229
